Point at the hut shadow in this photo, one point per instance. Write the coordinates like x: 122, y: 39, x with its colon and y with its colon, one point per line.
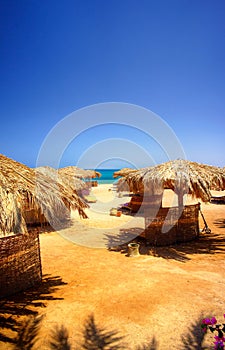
x: 206, y: 244
x: 15, y: 307
x: 118, y: 242
x: 220, y: 223
x: 47, y: 228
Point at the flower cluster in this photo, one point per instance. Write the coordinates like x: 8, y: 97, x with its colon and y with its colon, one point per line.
x: 213, y: 326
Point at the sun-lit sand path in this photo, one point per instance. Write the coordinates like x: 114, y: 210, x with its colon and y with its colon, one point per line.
x: 102, y: 230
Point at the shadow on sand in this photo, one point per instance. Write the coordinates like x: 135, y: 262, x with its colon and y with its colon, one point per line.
x: 206, y: 244
x: 14, y: 308
x: 94, y: 337
x: 220, y: 223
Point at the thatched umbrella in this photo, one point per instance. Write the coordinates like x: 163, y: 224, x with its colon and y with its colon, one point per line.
x: 183, y: 177
x: 124, y: 172
x: 121, y: 182
x: 21, y: 190
x: 74, y: 171
x: 72, y: 183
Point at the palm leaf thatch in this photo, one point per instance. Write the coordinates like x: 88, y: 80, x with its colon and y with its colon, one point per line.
x: 11, y: 219
x: 124, y: 172
x: 121, y: 182
x: 183, y: 177
x: 65, y: 179
x: 21, y: 190
x: 74, y: 171
x: 67, y: 188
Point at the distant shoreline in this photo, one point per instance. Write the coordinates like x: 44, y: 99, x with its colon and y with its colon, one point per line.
x: 106, y: 176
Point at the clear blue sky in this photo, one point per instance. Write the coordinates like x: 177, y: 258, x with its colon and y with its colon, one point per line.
x: 165, y: 55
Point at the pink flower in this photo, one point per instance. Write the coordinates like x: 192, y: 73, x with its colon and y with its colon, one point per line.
x: 213, y: 320
x: 218, y: 345
x: 206, y: 321
x: 218, y: 338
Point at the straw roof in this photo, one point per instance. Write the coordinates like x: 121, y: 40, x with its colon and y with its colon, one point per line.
x: 183, y: 177
x: 124, y: 172
x: 21, y: 189
x: 74, y: 171
x: 121, y: 182
x: 10, y: 212
x: 65, y: 179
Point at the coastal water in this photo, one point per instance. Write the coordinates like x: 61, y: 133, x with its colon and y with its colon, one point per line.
x: 107, y: 176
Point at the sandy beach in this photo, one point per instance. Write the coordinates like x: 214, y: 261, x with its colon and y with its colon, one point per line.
x: 155, y: 298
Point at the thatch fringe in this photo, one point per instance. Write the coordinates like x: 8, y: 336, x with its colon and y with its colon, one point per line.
x: 76, y: 172
x: 183, y: 177
x: 124, y: 172
x: 23, y: 189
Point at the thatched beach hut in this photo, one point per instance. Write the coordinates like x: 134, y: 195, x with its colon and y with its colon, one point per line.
x: 27, y: 197
x: 79, y: 172
x: 175, y: 224
x: 181, y: 176
x: 121, y: 184
x: 124, y: 172
x: 73, y: 184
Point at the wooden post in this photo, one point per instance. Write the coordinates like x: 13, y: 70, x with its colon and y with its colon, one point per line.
x: 180, y: 199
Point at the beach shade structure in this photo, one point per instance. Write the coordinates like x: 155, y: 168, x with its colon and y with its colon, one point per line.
x: 181, y: 176
x: 25, y: 194
x: 124, y: 172
x: 121, y: 184
x: 165, y: 226
x: 85, y: 174
x: 79, y: 172
x: 27, y: 197
x: 73, y: 184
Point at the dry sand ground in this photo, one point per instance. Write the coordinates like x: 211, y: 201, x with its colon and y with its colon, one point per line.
x: 143, y: 297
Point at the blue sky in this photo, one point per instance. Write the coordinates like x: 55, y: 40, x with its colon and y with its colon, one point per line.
x: 164, y: 55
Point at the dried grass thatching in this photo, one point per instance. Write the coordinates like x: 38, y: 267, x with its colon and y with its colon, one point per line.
x: 124, y: 172
x: 76, y: 172
x: 183, y: 177
x: 72, y: 183
x: 21, y: 190
x: 121, y: 184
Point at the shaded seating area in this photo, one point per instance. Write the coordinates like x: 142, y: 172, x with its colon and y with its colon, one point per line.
x: 140, y: 202
x: 134, y: 205
x: 174, y: 224
x: 217, y: 200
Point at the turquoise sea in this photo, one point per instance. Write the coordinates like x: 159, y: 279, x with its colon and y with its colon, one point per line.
x: 107, y: 176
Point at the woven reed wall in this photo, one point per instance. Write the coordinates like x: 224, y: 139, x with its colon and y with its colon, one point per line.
x: 20, y: 263
x: 164, y: 228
